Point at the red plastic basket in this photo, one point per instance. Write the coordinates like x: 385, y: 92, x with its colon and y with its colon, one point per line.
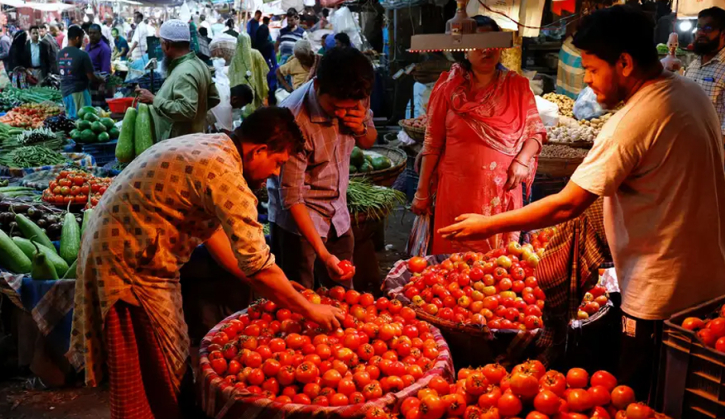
x: 120, y: 105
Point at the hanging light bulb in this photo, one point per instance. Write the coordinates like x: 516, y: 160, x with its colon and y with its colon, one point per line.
x: 685, y: 25
x: 85, y: 18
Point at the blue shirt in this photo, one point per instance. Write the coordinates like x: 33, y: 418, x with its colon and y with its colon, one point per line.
x: 287, y: 39
x: 120, y: 44
x: 252, y: 27
x: 318, y: 176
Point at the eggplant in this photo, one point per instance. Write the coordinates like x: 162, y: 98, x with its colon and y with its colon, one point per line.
x: 42, y: 223
x: 20, y: 208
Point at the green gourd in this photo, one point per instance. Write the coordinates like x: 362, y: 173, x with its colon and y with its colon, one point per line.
x: 143, y: 137
x: 42, y: 269
x: 28, y: 247
x: 125, y: 144
x: 71, y: 272
x: 70, y: 238
x: 12, y: 257
x: 31, y: 231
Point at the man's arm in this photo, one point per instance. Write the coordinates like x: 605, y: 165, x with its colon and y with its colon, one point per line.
x: 282, y: 80
x: 552, y: 210
x: 360, y: 122
x: 182, y: 104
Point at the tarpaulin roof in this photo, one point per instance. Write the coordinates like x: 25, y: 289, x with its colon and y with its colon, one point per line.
x: 46, y: 7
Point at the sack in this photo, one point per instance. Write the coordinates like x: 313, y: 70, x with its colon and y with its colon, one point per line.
x: 548, y: 111
x: 419, y: 238
x: 586, y: 105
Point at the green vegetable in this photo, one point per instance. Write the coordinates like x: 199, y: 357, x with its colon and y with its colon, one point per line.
x: 98, y: 127
x: 381, y: 163
x: 12, y: 257
x: 375, y: 202
x: 15, y: 131
x: 108, y: 123
x: 42, y: 269
x: 86, y: 219
x: 91, y: 117
x: 113, y: 133
x: 29, y: 247
x: 103, y: 137
x: 31, y: 156
x: 357, y: 157
x: 83, y: 125
x: 365, y: 167
x: 70, y: 238
x: 125, y: 145
x: 88, y: 136
x: 143, y: 137
x: 71, y: 272
x: 353, y: 169
x: 75, y: 134
x: 30, y: 230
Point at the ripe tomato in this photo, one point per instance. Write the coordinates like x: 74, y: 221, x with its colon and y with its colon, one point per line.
x: 339, y: 400
x: 547, y: 402
x: 417, y: 264
x: 577, y: 378
x: 286, y: 375
x: 718, y: 327
x: 473, y: 412
x: 432, y: 407
x: 553, y: 381
x: 476, y: 384
x: 455, y: 404
x: 524, y: 384
x: 579, y: 400
x: 372, y: 391
x: 356, y: 398
x: 707, y: 336
x: 301, y: 399
x: 605, y: 379
x: 219, y: 365
x: 408, y: 404
x: 536, y: 415
x: 376, y: 413
x: 509, y: 405
x: 638, y: 411
x: 490, y: 397
x: 346, y: 386
x: 600, y: 395
x: 346, y: 266
x: 440, y: 385
x: 255, y: 377
x: 332, y: 378
x: 622, y: 396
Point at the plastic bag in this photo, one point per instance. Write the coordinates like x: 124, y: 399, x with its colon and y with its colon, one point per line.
x: 419, y: 238
x: 548, y: 111
x: 281, y: 94
x: 586, y: 106
x: 223, y: 111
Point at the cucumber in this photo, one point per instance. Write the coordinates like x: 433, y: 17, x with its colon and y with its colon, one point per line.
x: 125, y: 145
x: 12, y: 257
x: 70, y: 238
x: 71, y: 272
x: 86, y: 219
x: 42, y: 269
x: 28, y: 248
x: 143, y: 138
x: 30, y: 230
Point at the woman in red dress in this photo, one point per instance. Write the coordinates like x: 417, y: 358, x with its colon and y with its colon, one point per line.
x: 482, y: 143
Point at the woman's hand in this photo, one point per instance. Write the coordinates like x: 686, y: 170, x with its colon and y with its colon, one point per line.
x: 517, y: 174
x: 327, y: 317
x: 420, y: 206
x: 467, y: 227
x: 336, y: 273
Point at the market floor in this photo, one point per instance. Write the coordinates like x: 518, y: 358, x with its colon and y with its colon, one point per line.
x: 17, y: 402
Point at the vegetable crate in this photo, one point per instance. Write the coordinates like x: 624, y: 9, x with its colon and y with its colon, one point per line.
x: 694, y: 375
x: 103, y: 152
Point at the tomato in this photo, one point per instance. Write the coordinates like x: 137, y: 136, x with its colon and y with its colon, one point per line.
x: 361, y: 379
x: 622, y: 396
x: 432, y: 407
x: 547, y: 402
x: 553, y: 381
x: 600, y: 413
x: 600, y: 395
x: 283, y: 399
x: 332, y: 378
x: 346, y: 266
x: 346, y: 386
x: 301, y: 399
x: 605, y: 379
x: 638, y: 411
x: 376, y: 413
x: 476, y: 384
x: 408, y: 404
x: 417, y: 264
x: 65, y: 183
x: 509, y: 405
x: 720, y: 344
x: 455, y: 404
x: 707, y: 336
x: 339, y: 400
x: 577, y: 378
x: 219, y: 365
x: 579, y: 400
x: 252, y: 359
x: 473, y: 412
x: 490, y: 397
x: 693, y: 323
x: 524, y: 384
x: 372, y: 391
x: 255, y: 377
x: 536, y: 415
x: 718, y: 327
x: 286, y: 375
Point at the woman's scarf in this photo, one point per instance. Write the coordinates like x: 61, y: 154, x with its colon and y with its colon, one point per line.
x: 249, y: 67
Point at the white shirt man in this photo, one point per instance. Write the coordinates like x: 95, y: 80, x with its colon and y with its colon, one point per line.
x: 139, y: 37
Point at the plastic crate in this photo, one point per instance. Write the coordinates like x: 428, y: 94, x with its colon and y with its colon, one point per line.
x: 104, y: 153
x: 694, y: 378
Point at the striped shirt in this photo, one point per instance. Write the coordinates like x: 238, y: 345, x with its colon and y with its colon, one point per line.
x: 570, y: 74
x: 288, y: 38
x: 318, y: 176
x: 711, y: 77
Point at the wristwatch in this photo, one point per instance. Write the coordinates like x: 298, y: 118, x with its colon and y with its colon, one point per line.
x: 364, y: 133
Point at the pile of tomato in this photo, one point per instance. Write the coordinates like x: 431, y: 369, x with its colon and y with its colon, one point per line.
x: 279, y: 355
x: 710, y: 332
x: 497, y: 289
x: 76, y: 187
x: 592, y: 302
x: 529, y: 391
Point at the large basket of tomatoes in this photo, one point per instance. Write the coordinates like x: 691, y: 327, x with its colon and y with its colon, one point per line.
x: 488, y: 307
x: 267, y: 361
x: 75, y: 187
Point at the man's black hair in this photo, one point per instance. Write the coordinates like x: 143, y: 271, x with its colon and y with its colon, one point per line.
x: 485, y: 21
x: 325, y: 12
x: 345, y: 73
x: 243, y: 91
x: 258, y: 12
x: 265, y: 20
x: 203, y: 32
x: 343, y: 38
x: 139, y: 14
x: 609, y: 33
x: 272, y: 126
x: 95, y: 26
x: 33, y: 27
x: 230, y: 23
x: 292, y: 12
x: 716, y: 14
x: 75, y: 31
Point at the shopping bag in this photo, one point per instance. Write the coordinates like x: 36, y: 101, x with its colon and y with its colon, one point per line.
x: 419, y: 238
x: 586, y: 105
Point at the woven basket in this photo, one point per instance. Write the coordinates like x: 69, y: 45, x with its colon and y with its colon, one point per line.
x: 557, y: 167
x: 417, y: 134
x: 219, y: 399
x: 385, y: 177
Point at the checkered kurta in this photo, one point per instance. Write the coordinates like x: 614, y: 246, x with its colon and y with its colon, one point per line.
x: 569, y: 267
x: 711, y: 77
x: 157, y: 211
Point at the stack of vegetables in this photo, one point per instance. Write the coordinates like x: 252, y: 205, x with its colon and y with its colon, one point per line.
x: 136, y: 135
x: 30, y: 115
x: 50, y: 220
x: 35, y: 253
x: 59, y: 123
x: 76, y: 187
x: 32, y: 156
x: 31, y: 95
x: 367, y: 161
x: 371, y: 201
x: 93, y: 127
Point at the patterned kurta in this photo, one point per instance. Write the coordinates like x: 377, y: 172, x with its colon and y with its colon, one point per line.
x: 157, y: 211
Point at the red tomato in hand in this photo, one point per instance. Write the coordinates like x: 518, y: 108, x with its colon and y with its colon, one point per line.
x: 346, y: 266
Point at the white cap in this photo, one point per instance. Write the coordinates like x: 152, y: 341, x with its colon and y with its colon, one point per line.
x: 175, y: 30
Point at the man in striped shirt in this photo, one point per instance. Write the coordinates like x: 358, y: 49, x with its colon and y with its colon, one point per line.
x: 289, y: 35
x: 310, y: 223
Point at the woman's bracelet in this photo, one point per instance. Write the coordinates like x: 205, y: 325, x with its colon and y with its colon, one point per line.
x: 522, y: 163
x: 419, y: 198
